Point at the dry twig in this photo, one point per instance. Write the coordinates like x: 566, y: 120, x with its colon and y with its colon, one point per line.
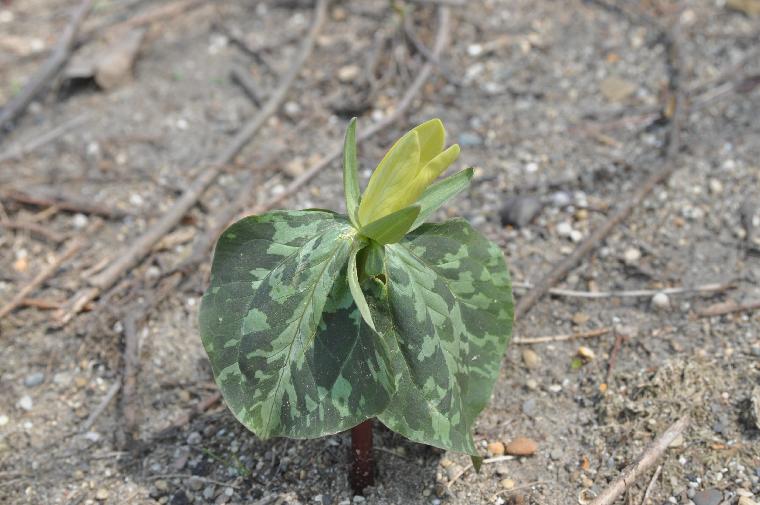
x: 61, y: 202
x: 131, y: 369
x: 25, y: 147
x: 635, y: 293
x: 559, y: 338
x: 44, y: 275
x: 646, y: 460
x: 729, y: 307
x: 55, y: 62
x: 143, y: 244
x: 34, y: 228
x: 110, y: 394
x: 650, y: 487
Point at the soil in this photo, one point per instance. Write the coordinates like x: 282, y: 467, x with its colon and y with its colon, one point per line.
x: 560, y: 101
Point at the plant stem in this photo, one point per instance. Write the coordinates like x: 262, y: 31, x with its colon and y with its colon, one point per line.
x: 362, y: 467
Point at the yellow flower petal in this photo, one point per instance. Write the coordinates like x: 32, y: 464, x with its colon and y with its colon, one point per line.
x: 432, y: 138
x: 390, y: 180
x: 437, y: 166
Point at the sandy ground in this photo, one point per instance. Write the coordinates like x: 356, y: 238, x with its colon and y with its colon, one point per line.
x: 560, y: 101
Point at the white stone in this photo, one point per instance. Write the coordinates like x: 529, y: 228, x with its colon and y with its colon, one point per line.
x: 661, y: 301
x: 26, y: 403
x: 631, y: 255
x: 564, y: 229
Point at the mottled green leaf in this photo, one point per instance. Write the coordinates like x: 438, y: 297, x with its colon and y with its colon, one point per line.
x: 437, y: 194
x: 351, y: 172
x: 393, y: 227
x: 353, y: 284
x: 287, y: 345
x: 449, y: 296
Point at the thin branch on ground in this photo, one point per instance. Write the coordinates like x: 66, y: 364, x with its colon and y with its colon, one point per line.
x: 443, y: 68
x: 104, y: 402
x: 61, y: 202
x: 669, y: 165
x: 243, y: 78
x: 632, y: 473
x: 559, y: 338
x: 729, y: 307
x: 45, y: 74
x: 74, y: 247
x: 191, y: 476
x: 635, y: 293
x: 620, y: 339
x: 650, y: 487
x: 143, y: 244
x: 30, y: 145
x: 34, y: 228
x: 131, y: 357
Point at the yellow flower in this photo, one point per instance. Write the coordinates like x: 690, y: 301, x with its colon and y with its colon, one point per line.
x: 407, y: 169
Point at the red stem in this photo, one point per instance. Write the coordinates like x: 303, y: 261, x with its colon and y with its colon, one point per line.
x: 363, y: 466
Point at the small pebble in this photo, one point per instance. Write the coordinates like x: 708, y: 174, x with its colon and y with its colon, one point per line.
x: 581, y: 318
x: 564, y: 229
x: 745, y: 500
x: 291, y: 109
x: 661, y: 301
x: 529, y: 407
x: 520, y: 210
x: 631, y: 255
x: 348, y: 73
x: 496, y: 448
x: 521, y: 446
x: 453, y: 471
x: 708, y: 497
x: 716, y: 187
x: 25, y: 403
x: 195, y: 483
x: 556, y: 454
x: 507, y: 483
x: 586, y: 482
x: 4, y: 420
x: 530, y: 358
x: 194, y: 438
x: 34, y: 379
x: 470, y: 139
x: 208, y: 492
x: 101, y: 494
x: 555, y: 388
x: 586, y: 353
x: 80, y: 221
x: 161, y: 485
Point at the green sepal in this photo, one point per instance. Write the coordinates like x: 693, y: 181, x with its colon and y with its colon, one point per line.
x: 373, y: 257
x: 392, y: 228
x: 437, y: 194
x: 351, y: 173
x: 353, y: 282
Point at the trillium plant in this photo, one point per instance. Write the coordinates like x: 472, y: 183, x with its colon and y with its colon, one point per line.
x: 317, y: 322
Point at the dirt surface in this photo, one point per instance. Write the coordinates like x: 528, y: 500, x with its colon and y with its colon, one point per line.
x: 561, y: 101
